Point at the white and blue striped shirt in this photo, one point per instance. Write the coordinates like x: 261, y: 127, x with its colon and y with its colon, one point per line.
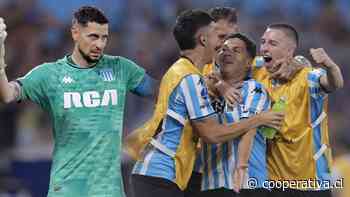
x: 189, y: 100
x: 219, y: 160
x: 317, y: 104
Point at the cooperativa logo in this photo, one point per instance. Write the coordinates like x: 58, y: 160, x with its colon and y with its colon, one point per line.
x: 67, y: 79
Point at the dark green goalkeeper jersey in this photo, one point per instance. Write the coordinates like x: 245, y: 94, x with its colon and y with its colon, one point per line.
x: 86, y: 106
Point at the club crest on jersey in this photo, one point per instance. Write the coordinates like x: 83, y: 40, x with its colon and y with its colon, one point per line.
x: 107, y: 74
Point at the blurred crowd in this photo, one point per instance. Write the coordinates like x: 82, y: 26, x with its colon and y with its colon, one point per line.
x: 39, y: 31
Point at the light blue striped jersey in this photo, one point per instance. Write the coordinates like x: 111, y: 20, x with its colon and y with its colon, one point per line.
x: 219, y: 160
x: 318, y: 95
x: 189, y: 100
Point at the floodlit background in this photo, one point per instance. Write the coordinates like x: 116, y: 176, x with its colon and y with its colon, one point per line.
x: 39, y: 31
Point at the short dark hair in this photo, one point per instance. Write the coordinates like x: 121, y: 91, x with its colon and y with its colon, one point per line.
x: 250, y: 44
x: 288, y: 29
x: 87, y: 14
x: 226, y: 13
x: 187, y: 25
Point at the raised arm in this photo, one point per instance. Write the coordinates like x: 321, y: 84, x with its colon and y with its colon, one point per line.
x: 334, y: 78
x: 9, y: 91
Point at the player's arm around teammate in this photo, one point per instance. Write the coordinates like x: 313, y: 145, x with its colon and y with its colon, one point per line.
x: 206, y: 126
x: 231, y: 94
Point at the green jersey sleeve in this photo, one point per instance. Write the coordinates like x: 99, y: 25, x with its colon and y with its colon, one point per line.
x: 134, y: 73
x: 34, y: 85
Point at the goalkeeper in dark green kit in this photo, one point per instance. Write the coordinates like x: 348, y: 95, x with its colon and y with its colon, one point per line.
x: 84, y: 94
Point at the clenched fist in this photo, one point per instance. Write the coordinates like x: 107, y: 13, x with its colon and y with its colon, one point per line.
x: 321, y: 57
x: 3, y: 35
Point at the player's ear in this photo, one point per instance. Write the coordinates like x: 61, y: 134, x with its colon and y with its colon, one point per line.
x: 75, y: 32
x: 291, y: 49
x: 202, y: 40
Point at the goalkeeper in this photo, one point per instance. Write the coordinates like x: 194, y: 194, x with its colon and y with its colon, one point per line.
x: 84, y: 93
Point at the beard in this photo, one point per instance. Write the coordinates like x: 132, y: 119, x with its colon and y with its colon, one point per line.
x: 87, y: 58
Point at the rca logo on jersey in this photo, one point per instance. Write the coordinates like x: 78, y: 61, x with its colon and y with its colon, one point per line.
x: 90, y: 99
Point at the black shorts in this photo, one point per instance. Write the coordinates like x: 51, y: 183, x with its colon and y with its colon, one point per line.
x: 147, y: 186
x: 300, y: 193
x: 259, y: 192
x: 194, y: 185
x: 221, y: 192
